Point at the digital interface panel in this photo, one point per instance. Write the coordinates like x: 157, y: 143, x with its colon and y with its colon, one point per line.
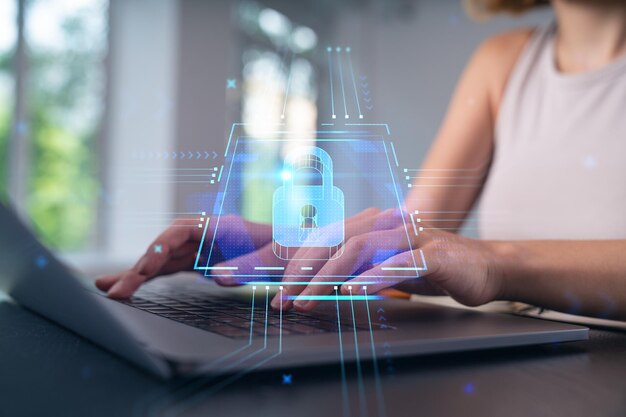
x: 314, y: 191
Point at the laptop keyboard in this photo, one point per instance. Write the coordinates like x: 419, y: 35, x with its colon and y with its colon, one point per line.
x: 233, y: 318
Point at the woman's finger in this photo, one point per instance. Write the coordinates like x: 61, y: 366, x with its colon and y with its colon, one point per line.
x: 151, y: 264
x: 175, y: 241
x: 182, y: 263
x: 246, y: 267
x: 361, y: 253
x: 359, y: 223
x: 232, y: 228
x: 403, y: 272
x: 105, y: 282
x: 126, y: 285
x: 309, y: 260
x: 168, y: 242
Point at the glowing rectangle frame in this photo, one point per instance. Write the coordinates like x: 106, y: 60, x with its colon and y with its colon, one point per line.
x: 355, y: 136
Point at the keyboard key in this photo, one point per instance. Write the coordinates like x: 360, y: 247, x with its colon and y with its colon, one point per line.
x: 232, y: 318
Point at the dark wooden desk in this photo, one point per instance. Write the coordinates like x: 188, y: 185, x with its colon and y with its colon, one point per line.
x: 46, y: 370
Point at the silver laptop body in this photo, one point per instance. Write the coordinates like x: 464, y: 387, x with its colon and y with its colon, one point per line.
x: 152, y: 337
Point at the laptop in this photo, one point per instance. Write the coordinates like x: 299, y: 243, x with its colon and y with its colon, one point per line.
x: 186, y: 325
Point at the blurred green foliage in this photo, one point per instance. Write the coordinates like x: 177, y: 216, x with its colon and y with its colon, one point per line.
x: 4, y: 134
x: 63, y: 185
x: 5, y: 127
x: 65, y: 86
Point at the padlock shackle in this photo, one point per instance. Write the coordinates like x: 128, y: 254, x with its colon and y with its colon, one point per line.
x: 325, y: 160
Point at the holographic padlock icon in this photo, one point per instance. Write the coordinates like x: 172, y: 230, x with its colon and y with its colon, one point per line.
x: 308, y: 215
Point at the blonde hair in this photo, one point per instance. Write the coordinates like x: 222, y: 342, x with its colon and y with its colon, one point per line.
x: 484, y: 9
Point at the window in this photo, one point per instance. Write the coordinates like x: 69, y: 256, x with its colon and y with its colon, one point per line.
x: 54, y: 137
x: 8, y: 35
x: 279, y: 86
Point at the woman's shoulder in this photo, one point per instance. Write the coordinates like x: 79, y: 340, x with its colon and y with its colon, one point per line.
x: 507, y: 42
x: 500, y: 52
x: 496, y: 58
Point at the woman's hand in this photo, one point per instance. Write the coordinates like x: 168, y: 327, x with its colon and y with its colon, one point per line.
x: 370, y: 220
x: 466, y: 269
x: 367, y: 220
x: 176, y: 249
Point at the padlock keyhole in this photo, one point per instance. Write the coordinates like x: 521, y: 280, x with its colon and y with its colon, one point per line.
x: 308, y: 216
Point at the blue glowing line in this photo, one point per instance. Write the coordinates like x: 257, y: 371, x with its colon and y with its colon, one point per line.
x: 338, y: 297
x: 234, y: 378
x: 306, y: 268
x: 169, y: 169
x: 344, y: 384
x: 371, y: 124
x: 393, y: 149
x: 343, y: 91
x: 252, y: 316
x: 357, y: 137
x: 413, y: 222
x: 206, y: 269
x: 159, y: 224
x: 397, y: 268
x: 156, y: 213
x: 164, y: 181
x: 280, y: 323
x: 148, y: 175
x: 328, y: 124
x: 267, y: 296
x: 219, y: 177
x: 252, y: 355
x: 269, y: 268
x: 447, y: 177
x: 330, y: 75
x: 425, y: 267
x: 379, y: 388
x: 447, y: 185
x: 232, y: 129
x: 363, y: 407
x: 268, y: 273
x: 215, y: 388
x: 361, y: 134
x: 320, y: 139
x: 393, y: 268
x: 356, y: 94
x: 288, y: 85
x: 206, y: 227
x: 306, y: 282
x: 443, y: 169
x: 220, y: 268
x: 258, y: 350
x: 189, y: 387
x: 221, y: 204
x: 241, y: 360
x: 406, y: 229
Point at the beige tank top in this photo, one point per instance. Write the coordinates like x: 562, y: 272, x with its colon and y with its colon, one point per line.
x: 559, y: 168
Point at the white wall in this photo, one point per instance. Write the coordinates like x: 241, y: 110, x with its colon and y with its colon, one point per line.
x: 413, y: 62
x: 142, y: 89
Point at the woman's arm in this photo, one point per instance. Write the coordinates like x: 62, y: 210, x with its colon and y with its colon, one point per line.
x: 577, y: 277
x: 582, y: 277
x: 453, y: 173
